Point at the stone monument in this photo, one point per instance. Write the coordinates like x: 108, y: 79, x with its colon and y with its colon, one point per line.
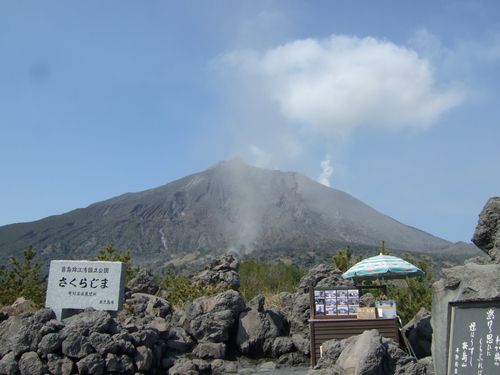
x: 478, y: 279
x: 80, y: 284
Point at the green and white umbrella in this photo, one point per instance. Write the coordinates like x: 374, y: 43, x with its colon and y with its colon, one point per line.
x: 382, y: 267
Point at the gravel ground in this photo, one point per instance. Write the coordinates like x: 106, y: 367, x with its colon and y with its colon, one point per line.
x: 269, y: 368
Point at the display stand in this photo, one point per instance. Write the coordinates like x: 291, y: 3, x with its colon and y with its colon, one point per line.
x: 334, y: 316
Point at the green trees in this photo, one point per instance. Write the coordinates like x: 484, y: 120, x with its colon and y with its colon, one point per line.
x: 110, y: 254
x: 413, y: 293
x: 22, y: 279
x: 343, y: 259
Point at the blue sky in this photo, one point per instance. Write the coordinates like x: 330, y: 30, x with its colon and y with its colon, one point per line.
x: 394, y: 102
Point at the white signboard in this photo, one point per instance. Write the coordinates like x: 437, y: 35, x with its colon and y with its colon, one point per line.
x: 81, y: 284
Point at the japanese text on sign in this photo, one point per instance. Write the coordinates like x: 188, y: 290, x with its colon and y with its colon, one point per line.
x: 474, y: 341
x: 82, y: 284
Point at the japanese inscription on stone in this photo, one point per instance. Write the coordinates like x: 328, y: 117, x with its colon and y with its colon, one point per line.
x: 82, y: 284
x: 474, y: 342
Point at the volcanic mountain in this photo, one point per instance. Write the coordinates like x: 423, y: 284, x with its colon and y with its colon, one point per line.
x: 231, y: 206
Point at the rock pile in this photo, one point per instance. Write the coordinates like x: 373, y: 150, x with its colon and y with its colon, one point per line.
x: 477, y: 279
x: 221, y: 273
x: 210, y: 335
x: 368, y: 354
x: 150, y: 336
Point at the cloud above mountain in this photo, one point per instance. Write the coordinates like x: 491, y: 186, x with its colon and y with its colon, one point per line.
x: 340, y: 83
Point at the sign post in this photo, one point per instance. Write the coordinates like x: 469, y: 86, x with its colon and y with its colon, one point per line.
x: 81, y: 284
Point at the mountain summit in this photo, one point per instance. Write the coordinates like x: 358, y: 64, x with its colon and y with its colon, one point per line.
x: 230, y: 206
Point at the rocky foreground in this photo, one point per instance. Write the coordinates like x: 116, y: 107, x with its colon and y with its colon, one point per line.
x: 222, y: 334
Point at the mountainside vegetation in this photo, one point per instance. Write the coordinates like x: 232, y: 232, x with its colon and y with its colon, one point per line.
x: 268, y: 278
x: 22, y: 279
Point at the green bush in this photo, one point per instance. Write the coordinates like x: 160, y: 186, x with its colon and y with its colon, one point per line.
x: 180, y: 289
x: 110, y: 254
x: 413, y: 294
x: 22, y: 279
x: 268, y: 278
x: 344, y: 260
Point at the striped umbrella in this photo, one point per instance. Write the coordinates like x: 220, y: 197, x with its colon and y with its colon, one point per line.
x: 383, y: 267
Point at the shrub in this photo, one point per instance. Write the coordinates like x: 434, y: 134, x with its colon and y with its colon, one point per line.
x: 413, y: 294
x: 180, y: 289
x: 268, y: 278
x: 344, y: 260
x: 22, y: 279
x: 110, y: 254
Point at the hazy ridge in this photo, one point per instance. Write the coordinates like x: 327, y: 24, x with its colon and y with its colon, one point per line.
x: 229, y: 207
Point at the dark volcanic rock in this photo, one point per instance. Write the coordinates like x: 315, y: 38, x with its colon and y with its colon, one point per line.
x: 143, y: 358
x: 3, y: 316
x: 213, y: 318
x: 92, y: 364
x: 184, y: 366
x: 103, y: 343
x: 44, y: 315
x: 89, y: 321
x: 316, y: 274
x: 332, y: 349
x: 30, y: 364
x: 215, y: 327
x: 8, y: 364
x: 76, y: 346
x: 487, y: 234
x: 258, y: 330
x: 221, y: 273
x: 365, y: 354
x: 221, y: 367
x: 19, y: 334
x: 50, y: 343
x: 210, y: 350
x: 281, y: 345
x: 419, y: 333
x: 179, y: 340
x: 51, y: 326
x: 257, y: 303
x: 59, y: 365
x: 146, y: 337
x: 143, y: 282
x: 119, y: 363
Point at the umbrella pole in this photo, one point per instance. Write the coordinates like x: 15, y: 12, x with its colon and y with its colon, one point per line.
x: 409, y: 290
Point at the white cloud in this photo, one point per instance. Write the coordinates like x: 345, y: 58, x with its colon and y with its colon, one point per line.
x: 463, y: 59
x: 326, y: 172
x: 260, y: 158
x: 344, y: 82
